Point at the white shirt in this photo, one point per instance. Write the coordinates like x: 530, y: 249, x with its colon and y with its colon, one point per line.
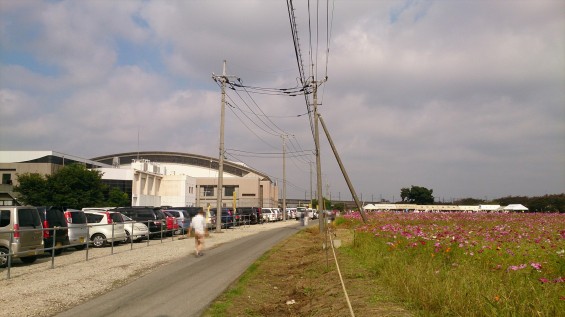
x: 198, y: 223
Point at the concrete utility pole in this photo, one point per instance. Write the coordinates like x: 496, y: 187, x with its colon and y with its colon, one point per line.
x: 223, y: 80
x: 284, y: 177
x: 321, y: 206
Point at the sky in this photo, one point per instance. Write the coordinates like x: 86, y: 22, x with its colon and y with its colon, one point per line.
x: 466, y: 98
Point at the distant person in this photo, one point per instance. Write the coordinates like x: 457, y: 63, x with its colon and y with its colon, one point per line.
x: 198, y: 224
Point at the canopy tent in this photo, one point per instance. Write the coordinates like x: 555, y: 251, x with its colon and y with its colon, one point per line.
x: 370, y: 207
x: 515, y: 207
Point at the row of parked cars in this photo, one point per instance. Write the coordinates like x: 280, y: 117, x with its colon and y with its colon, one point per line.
x: 27, y: 232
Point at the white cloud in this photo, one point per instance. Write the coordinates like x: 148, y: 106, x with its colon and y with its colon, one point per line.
x: 460, y: 96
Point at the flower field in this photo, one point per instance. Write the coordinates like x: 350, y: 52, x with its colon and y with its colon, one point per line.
x: 465, y: 264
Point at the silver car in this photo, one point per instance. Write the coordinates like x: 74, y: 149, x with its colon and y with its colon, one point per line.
x: 105, y: 227
x: 21, y: 234
x: 78, y: 228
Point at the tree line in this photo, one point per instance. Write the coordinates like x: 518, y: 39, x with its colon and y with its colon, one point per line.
x: 75, y: 186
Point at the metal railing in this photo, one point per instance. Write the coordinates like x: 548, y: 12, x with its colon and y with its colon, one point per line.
x: 160, y: 231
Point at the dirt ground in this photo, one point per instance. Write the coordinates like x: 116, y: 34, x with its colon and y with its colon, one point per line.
x: 299, y: 277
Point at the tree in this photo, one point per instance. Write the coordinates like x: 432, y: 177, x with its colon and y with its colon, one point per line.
x: 417, y: 195
x: 327, y: 203
x: 469, y: 201
x: 405, y: 194
x: 116, y: 198
x: 77, y: 187
x: 32, y: 189
x: 340, y: 207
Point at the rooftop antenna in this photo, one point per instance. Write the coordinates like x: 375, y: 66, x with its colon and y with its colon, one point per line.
x: 138, y: 143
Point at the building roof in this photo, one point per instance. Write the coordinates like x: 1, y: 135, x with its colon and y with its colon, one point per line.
x: 46, y: 157
x: 233, y: 168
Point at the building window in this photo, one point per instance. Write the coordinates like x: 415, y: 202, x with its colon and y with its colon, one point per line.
x: 7, y: 179
x: 208, y: 191
x: 229, y: 191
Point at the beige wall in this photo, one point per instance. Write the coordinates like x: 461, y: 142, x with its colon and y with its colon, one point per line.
x: 21, y: 168
x: 248, y: 192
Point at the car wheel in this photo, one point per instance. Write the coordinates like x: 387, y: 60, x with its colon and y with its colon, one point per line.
x: 4, y: 257
x: 98, y: 240
x: 29, y: 259
x: 128, y: 238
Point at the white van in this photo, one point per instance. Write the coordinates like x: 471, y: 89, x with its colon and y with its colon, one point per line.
x: 269, y: 214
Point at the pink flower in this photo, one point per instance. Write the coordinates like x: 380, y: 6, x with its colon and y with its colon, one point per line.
x: 536, y: 266
x: 543, y: 280
x: 517, y: 267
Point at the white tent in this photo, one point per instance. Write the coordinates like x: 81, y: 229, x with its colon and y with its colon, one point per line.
x: 489, y: 208
x: 370, y: 207
x: 515, y: 207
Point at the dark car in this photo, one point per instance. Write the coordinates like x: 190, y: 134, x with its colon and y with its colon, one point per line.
x: 152, y: 217
x: 227, y: 217
x: 52, y: 217
x: 249, y: 215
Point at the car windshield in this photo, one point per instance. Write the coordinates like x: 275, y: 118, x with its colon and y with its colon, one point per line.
x: 126, y: 218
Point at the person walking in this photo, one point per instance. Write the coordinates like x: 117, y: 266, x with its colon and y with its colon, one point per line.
x: 198, y: 224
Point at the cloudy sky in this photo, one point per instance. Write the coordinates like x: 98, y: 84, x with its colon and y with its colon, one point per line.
x: 464, y: 97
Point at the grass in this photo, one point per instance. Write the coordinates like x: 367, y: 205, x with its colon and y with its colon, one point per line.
x: 412, y: 265
x: 458, y: 265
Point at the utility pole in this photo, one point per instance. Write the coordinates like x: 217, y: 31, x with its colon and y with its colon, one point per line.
x: 223, y: 80
x: 321, y: 206
x: 342, y: 167
x: 284, y: 176
x: 311, y: 190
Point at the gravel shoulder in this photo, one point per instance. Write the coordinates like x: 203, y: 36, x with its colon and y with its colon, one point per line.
x: 39, y: 290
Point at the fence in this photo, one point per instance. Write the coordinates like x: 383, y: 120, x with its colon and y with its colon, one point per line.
x: 160, y: 235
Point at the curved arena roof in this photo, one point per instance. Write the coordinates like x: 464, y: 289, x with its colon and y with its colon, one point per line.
x: 180, y: 158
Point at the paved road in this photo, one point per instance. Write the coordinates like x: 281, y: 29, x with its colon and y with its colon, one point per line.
x: 185, y: 287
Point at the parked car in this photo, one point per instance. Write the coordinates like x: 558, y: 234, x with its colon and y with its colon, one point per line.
x: 227, y: 218
x: 134, y: 230
x: 105, y: 227
x: 52, y: 217
x: 251, y: 215
x: 152, y: 217
x: 20, y: 234
x: 312, y: 213
x: 278, y: 214
x: 269, y: 214
x: 193, y: 211
x: 77, y: 227
x: 182, y: 217
x: 291, y: 213
x: 171, y: 223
